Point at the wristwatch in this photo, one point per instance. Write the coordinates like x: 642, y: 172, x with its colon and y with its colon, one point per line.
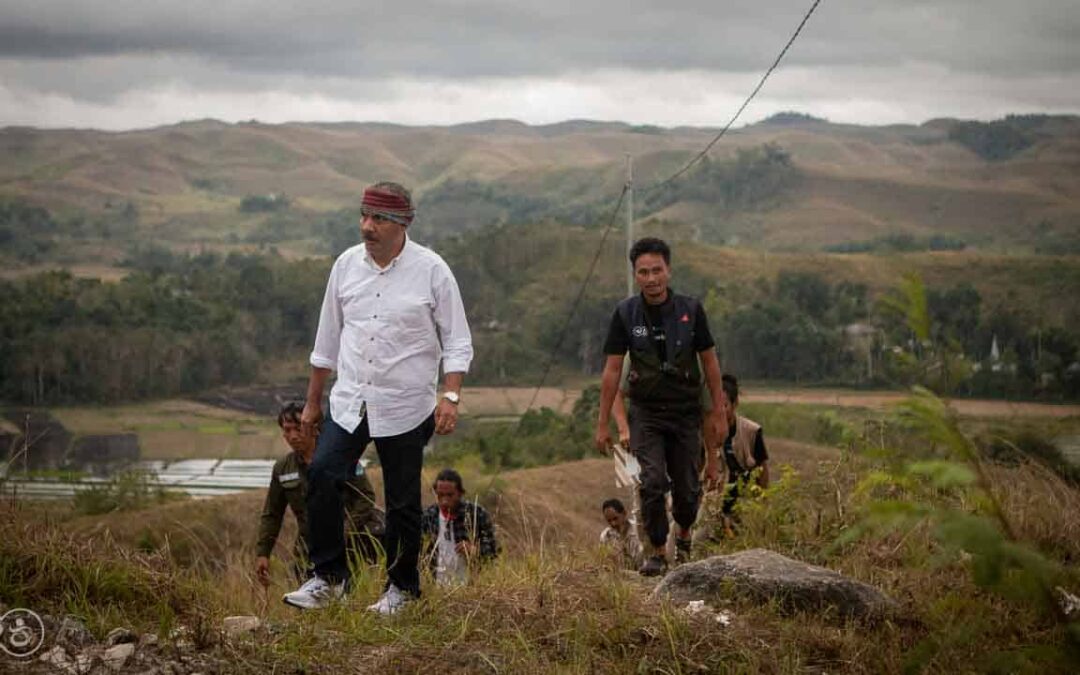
x: 452, y: 396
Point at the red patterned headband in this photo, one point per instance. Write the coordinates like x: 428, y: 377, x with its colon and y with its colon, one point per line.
x: 386, y: 204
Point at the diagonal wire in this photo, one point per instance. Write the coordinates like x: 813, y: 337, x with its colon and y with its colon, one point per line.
x: 675, y: 176
x: 697, y: 158
x: 576, y: 303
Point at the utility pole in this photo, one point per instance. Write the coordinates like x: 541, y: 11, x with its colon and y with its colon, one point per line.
x: 629, y: 222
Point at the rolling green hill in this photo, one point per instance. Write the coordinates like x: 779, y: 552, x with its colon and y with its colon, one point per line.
x: 789, y: 183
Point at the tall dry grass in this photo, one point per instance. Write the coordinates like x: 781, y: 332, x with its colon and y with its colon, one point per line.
x: 553, y: 603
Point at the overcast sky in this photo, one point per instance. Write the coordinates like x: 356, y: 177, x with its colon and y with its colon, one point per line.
x: 125, y: 64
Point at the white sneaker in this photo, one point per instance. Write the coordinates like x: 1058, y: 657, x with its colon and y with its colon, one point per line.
x: 391, y: 602
x: 316, y: 593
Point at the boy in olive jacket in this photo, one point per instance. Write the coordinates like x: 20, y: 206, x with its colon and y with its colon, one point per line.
x: 364, y: 521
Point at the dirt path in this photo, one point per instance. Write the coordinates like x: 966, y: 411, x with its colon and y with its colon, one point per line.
x: 497, y: 401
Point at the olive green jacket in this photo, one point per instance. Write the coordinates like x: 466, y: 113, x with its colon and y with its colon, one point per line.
x: 288, y: 487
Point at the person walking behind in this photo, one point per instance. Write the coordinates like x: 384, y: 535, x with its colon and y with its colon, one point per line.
x: 621, y: 536
x: 744, y: 454
x: 459, y: 532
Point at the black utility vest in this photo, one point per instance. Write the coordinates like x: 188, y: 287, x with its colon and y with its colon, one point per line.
x: 674, y: 383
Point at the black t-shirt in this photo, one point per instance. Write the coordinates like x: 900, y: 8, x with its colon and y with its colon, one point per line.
x: 618, y: 339
x: 735, y: 470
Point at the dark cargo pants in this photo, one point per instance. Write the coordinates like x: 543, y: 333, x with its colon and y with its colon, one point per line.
x: 667, y: 445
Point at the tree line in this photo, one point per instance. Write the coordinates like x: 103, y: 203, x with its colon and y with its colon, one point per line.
x: 185, y: 323
x: 175, y: 324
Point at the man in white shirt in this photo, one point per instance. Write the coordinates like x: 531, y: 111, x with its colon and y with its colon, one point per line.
x: 392, y: 312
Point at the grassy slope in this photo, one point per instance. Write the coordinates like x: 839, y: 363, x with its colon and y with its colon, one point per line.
x: 552, y: 604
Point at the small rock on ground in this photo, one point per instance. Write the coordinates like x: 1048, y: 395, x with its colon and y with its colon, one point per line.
x: 238, y: 625
x: 115, y: 657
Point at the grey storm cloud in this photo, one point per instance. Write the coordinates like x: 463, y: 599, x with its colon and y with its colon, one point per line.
x: 484, y: 38
x: 134, y: 62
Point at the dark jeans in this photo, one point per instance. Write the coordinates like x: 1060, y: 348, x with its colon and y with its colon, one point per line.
x: 401, y: 458
x: 667, y: 444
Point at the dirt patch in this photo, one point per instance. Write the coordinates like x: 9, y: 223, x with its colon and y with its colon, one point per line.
x: 99, y: 450
x: 880, y: 400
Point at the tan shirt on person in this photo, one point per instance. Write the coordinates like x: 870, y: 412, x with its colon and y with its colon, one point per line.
x: 627, y: 544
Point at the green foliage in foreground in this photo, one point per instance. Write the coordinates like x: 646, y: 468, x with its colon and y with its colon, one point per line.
x: 943, y: 484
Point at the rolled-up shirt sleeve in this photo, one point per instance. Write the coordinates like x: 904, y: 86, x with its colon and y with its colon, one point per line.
x: 328, y: 336
x: 450, y: 318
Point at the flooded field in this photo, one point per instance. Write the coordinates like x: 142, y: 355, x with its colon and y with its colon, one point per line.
x: 193, y: 477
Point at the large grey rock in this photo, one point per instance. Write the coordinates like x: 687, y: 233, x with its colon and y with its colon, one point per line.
x: 765, y: 576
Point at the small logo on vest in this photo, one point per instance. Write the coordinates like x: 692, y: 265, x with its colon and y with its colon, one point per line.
x: 685, y: 318
x: 640, y: 331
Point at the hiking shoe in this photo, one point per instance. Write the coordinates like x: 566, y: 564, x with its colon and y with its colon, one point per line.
x: 654, y: 566
x: 682, y: 550
x: 316, y: 593
x: 391, y: 602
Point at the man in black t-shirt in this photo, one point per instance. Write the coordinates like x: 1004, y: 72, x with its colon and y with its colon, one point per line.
x: 666, y: 334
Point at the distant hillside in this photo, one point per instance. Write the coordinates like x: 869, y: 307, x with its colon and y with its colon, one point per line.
x: 793, y: 182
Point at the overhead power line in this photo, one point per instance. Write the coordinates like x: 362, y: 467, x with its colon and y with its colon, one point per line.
x: 779, y: 57
x: 622, y: 195
x: 577, y: 300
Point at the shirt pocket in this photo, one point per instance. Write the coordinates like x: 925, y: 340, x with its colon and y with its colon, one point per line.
x: 358, y: 301
x: 411, y: 315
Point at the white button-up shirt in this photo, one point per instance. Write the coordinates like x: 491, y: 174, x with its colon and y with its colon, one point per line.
x: 380, y: 329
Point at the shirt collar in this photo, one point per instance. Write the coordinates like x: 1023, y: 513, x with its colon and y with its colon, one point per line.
x: 371, y: 263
